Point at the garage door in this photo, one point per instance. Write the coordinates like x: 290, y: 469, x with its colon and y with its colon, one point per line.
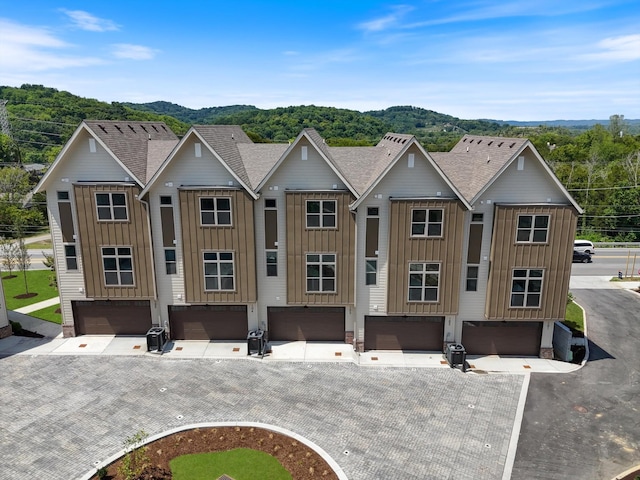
x: 113, y: 317
x: 403, y: 333
x: 321, y: 324
x: 502, y: 338
x: 208, y: 322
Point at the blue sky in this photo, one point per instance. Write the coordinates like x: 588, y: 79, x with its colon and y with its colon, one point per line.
x: 508, y: 60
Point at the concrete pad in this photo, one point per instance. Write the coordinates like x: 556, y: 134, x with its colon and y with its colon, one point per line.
x: 382, y: 358
x: 293, y: 351
x: 186, y: 348
x: 425, y: 359
x: 127, y: 346
x: 220, y: 349
x: 329, y: 352
x: 16, y: 345
x: 84, y: 345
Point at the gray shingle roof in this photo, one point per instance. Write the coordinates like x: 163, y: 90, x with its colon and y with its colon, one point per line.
x: 475, y: 160
x: 259, y: 158
x: 131, y: 142
x: 224, y: 139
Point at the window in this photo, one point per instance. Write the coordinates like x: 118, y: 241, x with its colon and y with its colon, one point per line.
x: 170, y: 261
x: 424, y: 280
x: 321, y: 272
x: 272, y: 263
x: 218, y: 271
x: 270, y: 203
x: 477, y: 217
x: 472, y: 278
x: 215, y: 210
x: 526, y: 287
x: 118, y: 266
x: 63, y: 195
x: 71, y: 257
x: 321, y: 213
x: 111, y: 206
x: 426, y: 222
x: 532, y: 228
x: 371, y: 271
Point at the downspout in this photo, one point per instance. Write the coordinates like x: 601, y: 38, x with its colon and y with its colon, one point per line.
x: 153, y: 260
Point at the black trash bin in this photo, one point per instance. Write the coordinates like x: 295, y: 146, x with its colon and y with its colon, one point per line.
x: 256, y: 342
x: 156, y: 338
x: 456, y: 355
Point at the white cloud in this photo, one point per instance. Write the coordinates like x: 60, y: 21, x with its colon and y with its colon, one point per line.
x: 85, y: 21
x: 386, y: 22
x: 27, y: 48
x: 625, y: 48
x: 133, y: 52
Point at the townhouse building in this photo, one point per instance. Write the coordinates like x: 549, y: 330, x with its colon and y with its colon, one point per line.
x: 387, y: 247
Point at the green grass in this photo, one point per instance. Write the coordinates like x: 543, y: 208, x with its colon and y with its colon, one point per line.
x: 574, y: 317
x: 46, y: 245
x: 38, y: 282
x: 239, y: 464
x: 49, y: 314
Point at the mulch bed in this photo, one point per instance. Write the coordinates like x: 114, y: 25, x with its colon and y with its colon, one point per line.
x: 301, y: 461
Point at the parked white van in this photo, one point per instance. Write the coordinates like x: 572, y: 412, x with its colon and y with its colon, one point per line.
x: 584, y: 246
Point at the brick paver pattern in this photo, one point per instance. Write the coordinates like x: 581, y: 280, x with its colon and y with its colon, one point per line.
x: 61, y: 414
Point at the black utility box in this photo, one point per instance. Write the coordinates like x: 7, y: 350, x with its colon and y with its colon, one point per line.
x: 456, y: 355
x: 256, y: 342
x: 156, y: 338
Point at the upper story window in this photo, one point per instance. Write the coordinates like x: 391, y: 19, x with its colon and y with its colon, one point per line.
x: 321, y: 272
x: 215, y: 210
x: 424, y: 282
x: 219, y: 271
x: 117, y: 263
x: 112, y: 206
x: 532, y: 229
x: 426, y: 222
x: 526, y: 287
x: 321, y: 213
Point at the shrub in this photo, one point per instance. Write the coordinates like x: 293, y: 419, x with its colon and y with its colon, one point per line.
x: 135, y: 459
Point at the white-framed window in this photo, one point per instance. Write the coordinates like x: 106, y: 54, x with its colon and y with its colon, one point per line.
x: 321, y: 272
x: 117, y: 263
x: 112, y: 206
x: 219, y: 271
x: 532, y: 229
x: 71, y: 256
x: 472, y: 278
x: 424, y: 282
x: 371, y: 271
x: 171, y: 266
x: 426, y: 222
x: 272, y: 263
x: 322, y: 213
x: 215, y: 210
x: 526, y: 287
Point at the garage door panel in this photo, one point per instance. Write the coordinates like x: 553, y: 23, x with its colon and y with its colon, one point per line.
x: 208, y: 322
x: 403, y: 333
x: 502, y: 338
x: 320, y: 324
x: 116, y: 317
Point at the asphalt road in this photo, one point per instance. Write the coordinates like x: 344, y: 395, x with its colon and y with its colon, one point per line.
x: 586, y: 425
x: 610, y: 261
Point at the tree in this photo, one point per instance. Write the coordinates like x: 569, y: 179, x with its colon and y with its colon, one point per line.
x: 24, y: 261
x: 9, y: 254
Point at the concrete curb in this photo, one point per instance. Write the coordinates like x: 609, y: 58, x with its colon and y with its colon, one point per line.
x: 326, y: 457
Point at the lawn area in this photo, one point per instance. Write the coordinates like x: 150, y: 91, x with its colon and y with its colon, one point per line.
x: 239, y: 464
x: 49, y: 314
x: 38, y: 282
x: 574, y: 317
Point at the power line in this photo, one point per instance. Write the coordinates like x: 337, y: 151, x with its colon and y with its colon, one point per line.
x: 43, y: 121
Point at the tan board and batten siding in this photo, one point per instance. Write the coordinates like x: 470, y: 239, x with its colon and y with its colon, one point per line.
x: 95, y: 234
x: 553, y: 256
x: 446, y: 250
x: 238, y: 238
x: 301, y: 240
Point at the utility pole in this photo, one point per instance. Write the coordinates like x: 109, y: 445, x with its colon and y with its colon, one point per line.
x: 5, y: 127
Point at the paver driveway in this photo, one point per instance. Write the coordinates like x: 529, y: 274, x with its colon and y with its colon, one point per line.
x: 61, y: 414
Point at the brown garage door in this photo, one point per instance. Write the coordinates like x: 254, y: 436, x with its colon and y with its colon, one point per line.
x: 208, y: 322
x: 321, y: 324
x: 502, y: 338
x: 403, y: 333
x: 112, y: 317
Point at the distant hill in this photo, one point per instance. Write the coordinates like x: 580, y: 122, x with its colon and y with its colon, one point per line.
x: 189, y: 115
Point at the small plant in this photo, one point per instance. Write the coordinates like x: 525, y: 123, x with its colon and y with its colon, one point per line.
x: 101, y: 473
x: 135, y: 459
x: 16, y: 327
